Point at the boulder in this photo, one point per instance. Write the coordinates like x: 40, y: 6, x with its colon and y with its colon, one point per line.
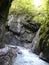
x: 10, y: 38
x: 7, y: 55
x: 27, y: 37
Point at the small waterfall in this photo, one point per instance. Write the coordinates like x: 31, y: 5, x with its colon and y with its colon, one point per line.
x: 19, y: 25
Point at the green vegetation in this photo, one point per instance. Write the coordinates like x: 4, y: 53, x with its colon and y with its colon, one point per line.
x: 23, y: 7
x: 44, y: 34
x: 27, y: 8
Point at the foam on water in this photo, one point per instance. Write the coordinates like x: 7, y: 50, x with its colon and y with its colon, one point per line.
x: 28, y: 58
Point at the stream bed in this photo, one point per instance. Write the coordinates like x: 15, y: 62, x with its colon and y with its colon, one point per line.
x: 27, y: 58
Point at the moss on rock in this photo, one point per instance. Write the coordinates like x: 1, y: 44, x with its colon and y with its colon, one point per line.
x: 44, y: 39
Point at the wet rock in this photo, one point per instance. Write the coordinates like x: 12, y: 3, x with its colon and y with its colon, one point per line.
x: 14, y: 28
x: 10, y: 38
x: 19, y: 52
x: 27, y: 37
x: 24, y: 32
x: 31, y: 26
x: 1, y: 33
x: 14, y: 49
x: 43, y: 57
x: 5, y: 58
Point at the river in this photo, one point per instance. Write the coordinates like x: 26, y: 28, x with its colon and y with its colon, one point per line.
x: 27, y: 58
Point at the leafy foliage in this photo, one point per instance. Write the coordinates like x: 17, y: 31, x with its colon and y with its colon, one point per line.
x: 27, y: 7
x: 23, y: 6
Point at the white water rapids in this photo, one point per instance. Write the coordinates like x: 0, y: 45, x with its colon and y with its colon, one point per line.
x: 28, y: 58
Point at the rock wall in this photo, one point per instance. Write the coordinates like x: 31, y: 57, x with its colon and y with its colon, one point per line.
x: 21, y: 32
x: 4, y: 9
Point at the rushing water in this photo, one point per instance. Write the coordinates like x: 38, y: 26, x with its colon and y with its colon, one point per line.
x: 28, y: 58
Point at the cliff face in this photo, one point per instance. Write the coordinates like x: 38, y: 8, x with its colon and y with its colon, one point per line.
x: 4, y: 9
x: 44, y: 39
x: 44, y: 35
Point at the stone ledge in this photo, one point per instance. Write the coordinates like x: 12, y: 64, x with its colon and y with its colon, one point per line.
x: 4, y: 51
